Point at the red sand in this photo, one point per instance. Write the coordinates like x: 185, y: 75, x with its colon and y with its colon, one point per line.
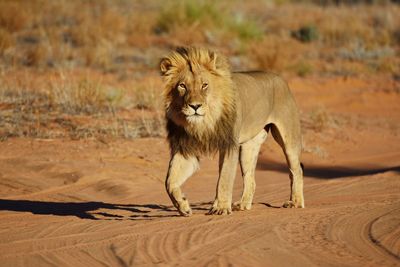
x: 86, y: 203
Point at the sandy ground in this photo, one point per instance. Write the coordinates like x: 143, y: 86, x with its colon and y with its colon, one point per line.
x: 91, y: 203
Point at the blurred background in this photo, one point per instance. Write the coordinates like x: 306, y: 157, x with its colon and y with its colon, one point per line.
x: 89, y: 68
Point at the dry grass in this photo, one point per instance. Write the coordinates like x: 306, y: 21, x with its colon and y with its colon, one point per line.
x: 98, y: 34
x: 62, y: 41
x: 110, y: 35
x: 77, y: 107
x: 320, y: 120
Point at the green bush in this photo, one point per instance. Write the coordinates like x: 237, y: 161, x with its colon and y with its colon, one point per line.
x: 209, y: 16
x: 303, y: 68
x: 186, y: 13
x: 246, y: 29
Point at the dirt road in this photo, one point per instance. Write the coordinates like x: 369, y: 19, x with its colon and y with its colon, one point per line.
x: 89, y: 203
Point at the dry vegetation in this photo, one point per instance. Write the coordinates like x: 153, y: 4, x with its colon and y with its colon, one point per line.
x: 89, y: 68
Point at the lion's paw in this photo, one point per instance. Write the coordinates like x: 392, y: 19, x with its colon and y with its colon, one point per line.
x: 292, y: 204
x: 220, y: 208
x: 219, y: 211
x: 239, y: 205
x: 184, y: 208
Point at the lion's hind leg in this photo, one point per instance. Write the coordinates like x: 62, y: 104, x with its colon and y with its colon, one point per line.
x: 248, y: 160
x: 289, y: 138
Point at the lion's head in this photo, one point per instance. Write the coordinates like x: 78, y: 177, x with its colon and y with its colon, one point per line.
x: 199, y: 100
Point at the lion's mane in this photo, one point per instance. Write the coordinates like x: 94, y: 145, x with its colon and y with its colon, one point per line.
x: 217, y: 134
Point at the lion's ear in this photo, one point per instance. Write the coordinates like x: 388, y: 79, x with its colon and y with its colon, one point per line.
x: 213, y: 60
x: 165, y: 66
x: 218, y: 64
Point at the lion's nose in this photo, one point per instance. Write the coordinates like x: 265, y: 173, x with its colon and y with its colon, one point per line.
x: 195, y: 106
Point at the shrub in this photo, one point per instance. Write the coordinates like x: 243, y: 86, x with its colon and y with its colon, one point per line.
x: 303, y: 68
x: 245, y: 29
x: 306, y: 34
x: 185, y: 13
x: 208, y: 16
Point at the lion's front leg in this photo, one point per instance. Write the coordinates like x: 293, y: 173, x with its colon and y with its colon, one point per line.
x: 248, y: 160
x: 180, y: 169
x: 227, y: 171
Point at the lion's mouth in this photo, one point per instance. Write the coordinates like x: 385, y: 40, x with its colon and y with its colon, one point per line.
x: 194, y: 115
x: 194, y: 118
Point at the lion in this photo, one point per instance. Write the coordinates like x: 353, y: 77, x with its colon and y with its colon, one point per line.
x: 210, y: 110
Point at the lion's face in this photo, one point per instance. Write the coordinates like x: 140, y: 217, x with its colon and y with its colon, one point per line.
x: 196, y: 88
x: 191, y: 95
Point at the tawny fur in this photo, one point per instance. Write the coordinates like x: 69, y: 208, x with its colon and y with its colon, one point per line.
x: 209, y: 109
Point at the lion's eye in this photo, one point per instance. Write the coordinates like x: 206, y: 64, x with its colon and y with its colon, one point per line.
x: 182, y: 89
x: 204, y: 86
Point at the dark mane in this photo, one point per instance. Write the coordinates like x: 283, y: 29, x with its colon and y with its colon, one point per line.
x: 221, y: 138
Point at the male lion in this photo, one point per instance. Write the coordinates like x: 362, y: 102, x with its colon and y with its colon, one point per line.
x: 209, y: 109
